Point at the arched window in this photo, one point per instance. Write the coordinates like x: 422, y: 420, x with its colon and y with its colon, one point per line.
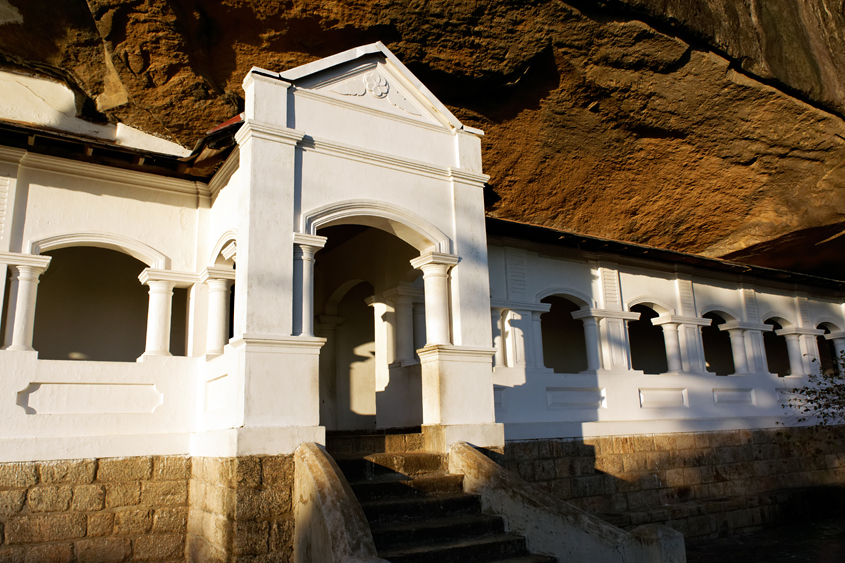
x: 91, y: 306
x: 564, y: 349
x: 828, y: 362
x: 777, y: 354
x: 718, y: 354
x: 648, y: 349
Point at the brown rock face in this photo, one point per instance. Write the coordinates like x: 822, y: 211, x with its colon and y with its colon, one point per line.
x: 611, y: 119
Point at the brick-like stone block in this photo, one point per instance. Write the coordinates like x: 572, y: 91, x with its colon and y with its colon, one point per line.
x: 122, y: 494
x: 13, y: 554
x: 171, y: 467
x: 643, y: 499
x: 73, y: 471
x: 692, y: 476
x: 11, y: 502
x: 170, y: 520
x: 50, y: 553
x: 589, y: 486
x: 583, y: 466
x: 133, y: 522
x: 248, y: 472
x: 125, y: 469
x: 544, y: 470
x: 623, y: 444
x: 49, y: 499
x: 164, y: 493
x: 161, y: 547
x: 674, y: 477
x: 634, y: 462
x: 281, y: 536
x: 526, y: 471
x: 526, y: 450
x: 261, y: 504
x: 250, y: 538
x: 100, y: 524
x: 277, y: 472
x: 18, y: 475
x: 220, y: 500
x: 88, y: 498
x: 562, y: 488
x: 216, y: 530
x: 684, y: 441
x: 643, y: 442
x: 103, y: 550
x: 36, y: 529
x: 611, y: 464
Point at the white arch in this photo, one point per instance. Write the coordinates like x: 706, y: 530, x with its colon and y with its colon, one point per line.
x: 388, y: 217
x: 834, y: 324
x: 778, y: 316
x: 655, y: 304
x: 225, y: 238
x: 567, y: 292
x: 339, y: 293
x: 143, y: 252
x: 722, y: 311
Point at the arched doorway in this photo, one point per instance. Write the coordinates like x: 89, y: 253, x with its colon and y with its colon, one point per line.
x: 718, y: 353
x: 564, y: 345
x: 648, y: 348
x: 360, y: 284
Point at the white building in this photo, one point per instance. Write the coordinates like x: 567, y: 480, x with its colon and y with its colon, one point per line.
x: 369, y: 291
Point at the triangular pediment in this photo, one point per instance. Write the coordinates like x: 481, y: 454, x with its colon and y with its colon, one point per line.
x: 372, y: 77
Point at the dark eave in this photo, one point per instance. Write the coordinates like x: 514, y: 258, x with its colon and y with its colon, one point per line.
x: 544, y: 235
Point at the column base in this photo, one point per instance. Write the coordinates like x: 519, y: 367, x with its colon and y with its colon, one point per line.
x: 439, y: 437
x: 267, y: 440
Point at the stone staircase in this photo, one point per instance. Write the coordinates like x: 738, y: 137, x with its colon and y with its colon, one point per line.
x: 418, y: 513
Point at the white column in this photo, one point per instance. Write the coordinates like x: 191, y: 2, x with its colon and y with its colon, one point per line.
x: 593, y: 342
x: 419, y: 325
x: 738, y: 348
x: 673, y: 347
x: 793, y: 347
x: 23, y: 291
x: 303, y: 286
x: 498, y: 337
x: 435, y: 267
x: 219, y: 282
x: 838, y: 339
x: 403, y: 306
x: 537, y: 337
x: 158, y: 317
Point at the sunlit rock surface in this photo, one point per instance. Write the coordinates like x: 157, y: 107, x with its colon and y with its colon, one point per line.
x: 706, y: 126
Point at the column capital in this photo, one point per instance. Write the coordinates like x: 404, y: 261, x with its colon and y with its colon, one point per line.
x: 680, y: 320
x: 315, y: 241
x: 40, y: 263
x: 731, y: 325
x: 215, y: 273
x: 178, y: 279
x: 794, y: 330
x: 837, y: 335
x: 252, y: 129
x: 430, y: 259
x: 404, y: 292
x: 599, y: 314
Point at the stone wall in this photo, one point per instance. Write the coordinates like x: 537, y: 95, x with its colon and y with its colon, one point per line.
x: 97, y: 511
x: 703, y: 484
x: 241, y: 510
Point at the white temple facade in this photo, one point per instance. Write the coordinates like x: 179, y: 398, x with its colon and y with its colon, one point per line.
x: 338, y: 273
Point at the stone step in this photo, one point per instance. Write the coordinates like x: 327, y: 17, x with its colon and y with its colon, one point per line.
x: 392, y: 534
x: 369, y: 443
x: 392, y: 486
x: 473, y: 550
x: 373, y: 466
x: 420, y: 508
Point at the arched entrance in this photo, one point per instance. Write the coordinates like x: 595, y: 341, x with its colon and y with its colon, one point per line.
x: 366, y: 299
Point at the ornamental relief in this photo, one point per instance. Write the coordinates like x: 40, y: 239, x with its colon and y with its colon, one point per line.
x: 378, y: 87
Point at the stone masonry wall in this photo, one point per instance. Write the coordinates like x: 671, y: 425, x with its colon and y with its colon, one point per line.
x: 703, y: 484
x: 94, y: 510
x: 241, y: 510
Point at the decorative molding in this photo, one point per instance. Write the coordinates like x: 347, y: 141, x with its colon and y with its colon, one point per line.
x: 515, y: 267
x: 258, y: 130
x: 10, y: 155
x: 584, y: 313
x: 799, y: 330
x: 730, y: 325
x: 749, y: 298
x: 228, y: 237
x: 721, y: 311
x: 19, y: 259
x: 4, y: 197
x: 686, y: 296
x: 804, y: 311
x: 379, y: 87
x: 435, y: 258
x: 143, y: 252
x: 314, y: 241
x: 90, y: 398
x: 130, y: 178
x: 663, y: 398
x: 281, y: 343
x: 216, y: 273
x: 225, y: 173
x: 646, y: 300
x: 611, y: 295
x: 835, y: 323
x: 576, y: 398
x: 680, y: 319
x: 179, y: 279
x: 342, y: 210
x: 779, y: 315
